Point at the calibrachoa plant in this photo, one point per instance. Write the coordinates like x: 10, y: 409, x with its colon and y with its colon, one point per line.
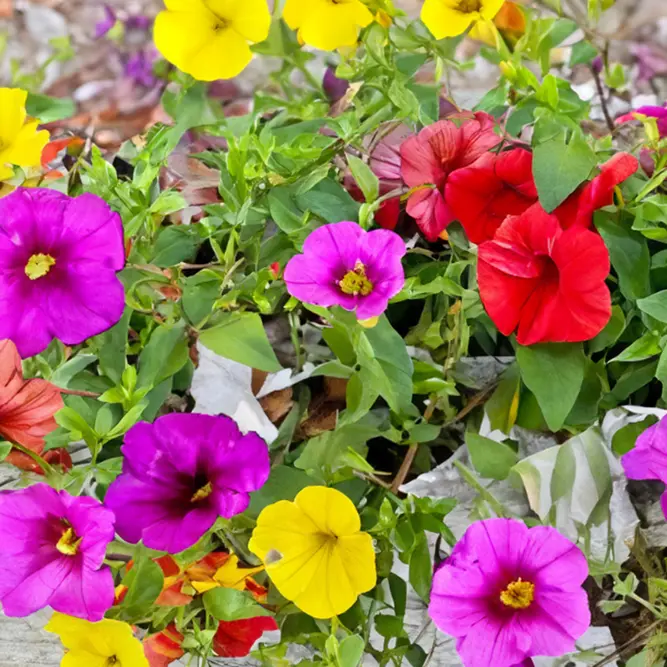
x: 375, y: 399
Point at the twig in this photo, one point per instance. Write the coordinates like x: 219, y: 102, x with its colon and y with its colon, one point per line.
x: 76, y: 392
x: 405, y: 468
x: 618, y: 652
x: 603, y: 101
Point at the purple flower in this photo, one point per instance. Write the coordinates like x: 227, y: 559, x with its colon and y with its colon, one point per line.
x: 138, y: 22
x: 334, y: 87
x: 109, y: 21
x: 52, y: 548
x: 343, y: 265
x: 508, y: 593
x: 648, y: 459
x: 180, y: 474
x: 660, y: 113
x: 58, y: 262
x: 650, y: 61
x: 139, y: 67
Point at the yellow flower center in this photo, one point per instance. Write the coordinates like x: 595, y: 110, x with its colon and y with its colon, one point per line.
x: 469, y: 6
x: 38, y: 266
x: 222, y: 22
x: 113, y: 661
x: 203, y: 493
x: 68, y: 544
x: 519, y: 594
x: 355, y: 282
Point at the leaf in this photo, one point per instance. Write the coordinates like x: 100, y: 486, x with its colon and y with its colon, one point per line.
x: 283, y: 484
x: 629, y: 255
x: 367, y: 181
x: 559, y: 168
x: 175, y: 244
x: 62, y: 375
x: 228, y: 604
x: 655, y: 305
x: 611, y: 333
x: 284, y: 211
x: 241, y: 337
x: 491, y: 459
x: 643, y: 348
x: 144, y: 581
x: 5, y: 448
x: 554, y: 372
x: 49, y: 109
x: 351, y: 651
x: 164, y: 355
x: 330, y: 201
x: 503, y: 406
x: 421, y: 568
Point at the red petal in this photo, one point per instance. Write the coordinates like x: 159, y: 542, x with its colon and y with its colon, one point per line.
x: 388, y: 213
x: 164, y: 648
x: 428, y: 208
x: 234, y: 639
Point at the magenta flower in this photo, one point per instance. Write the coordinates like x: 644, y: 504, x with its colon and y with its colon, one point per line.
x: 648, y: 459
x: 58, y: 262
x: 52, y: 547
x: 508, y: 593
x: 343, y: 265
x: 180, y: 474
x: 659, y: 113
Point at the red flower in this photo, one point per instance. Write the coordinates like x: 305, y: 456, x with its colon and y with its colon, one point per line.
x: 483, y: 195
x: 546, y: 282
x: 430, y: 157
x: 234, y: 639
x: 578, y: 208
x: 164, y: 647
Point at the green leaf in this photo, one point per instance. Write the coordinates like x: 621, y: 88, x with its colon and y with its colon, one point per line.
x: 241, y: 337
x: 643, y: 348
x: 5, y: 448
x: 144, y: 581
x: 365, y: 178
x: 554, y: 372
x: 175, y: 244
x: 62, y: 375
x: 559, y: 168
x: 165, y: 354
x: 611, y: 333
x: 421, y: 568
x: 111, y: 347
x: 491, y: 459
x: 284, y: 211
x: 582, y: 53
x: 655, y: 305
x: 502, y: 408
x: 351, y: 651
x: 228, y: 604
x: 330, y: 201
x: 49, y: 109
x: 283, y: 484
x: 629, y: 255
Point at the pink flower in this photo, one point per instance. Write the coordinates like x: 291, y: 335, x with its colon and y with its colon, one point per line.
x: 659, y: 113
x: 343, y: 265
x: 648, y: 459
x: 430, y: 157
x: 52, y: 549
x: 508, y: 593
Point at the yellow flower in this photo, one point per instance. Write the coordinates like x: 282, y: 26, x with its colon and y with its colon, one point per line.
x: 209, y: 39
x: 97, y: 644
x: 449, y: 18
x: 314, y: 552
x: 20, y: 142
x: 327, y: 24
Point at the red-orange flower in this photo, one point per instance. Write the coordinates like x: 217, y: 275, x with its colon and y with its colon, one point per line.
x: 164, y: 647
x: 27, y: 409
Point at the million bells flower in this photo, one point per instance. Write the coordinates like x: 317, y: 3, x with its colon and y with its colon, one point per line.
x: 52, y: 548
x: 508, y: 593
x: 180, y: 474
x: 58, y: 262
x: 449, y: 18
x: 210, y: 39
x: 97, y: 644
x: 327, y: 24
x: 314, y: 551
x: 21, y: 143
x: 344, y: 265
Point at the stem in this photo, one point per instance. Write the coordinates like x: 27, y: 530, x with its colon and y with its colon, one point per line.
x: 405, y: 468
x: 470, y: 478
x: 49, y: 471
x: 603, y: 101
x: 618, y: 652
x: 75, y: 392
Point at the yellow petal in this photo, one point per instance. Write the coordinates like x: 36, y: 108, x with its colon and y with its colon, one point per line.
x: 83, y: 659
x: 6, y: 172
x: 490, y: 8
x: 230, y: 575
x: 296, y: 10
x: 26, y: 150
x: 252, y: 19
x: 12, y: 113
x: 330, y: 510
x: 358, y: 557
x: 192, y: 6
x: 223, y: 57
x: 178, y: 35
x: 443, y: 20
x: 203, y: 586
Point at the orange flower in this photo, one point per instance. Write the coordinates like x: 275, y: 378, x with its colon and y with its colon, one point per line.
x: 164, y: 647
x: 27, y: 409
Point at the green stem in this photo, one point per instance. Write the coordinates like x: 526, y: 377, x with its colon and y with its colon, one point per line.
x: 470, y: 478
x: 49, y: 471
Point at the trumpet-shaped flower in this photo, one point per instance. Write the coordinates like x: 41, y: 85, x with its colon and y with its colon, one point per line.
x: 52, y: 549
x: 449, y: 18
x: 21, y: 144
x: 508, y: 593
x: 327, y: 24
x: 344, y: 265
x: 97, y: 644
x: 314, y: 551
x: 180, y: 474
x: 209, y: 39
x: 58, y: 262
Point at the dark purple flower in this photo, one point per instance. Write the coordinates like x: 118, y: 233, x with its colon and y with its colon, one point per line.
x: 52, y: 549
x: 59, y: 257
x: 139, y: 67
x: 138, y: 22
x: 343, y: 265
x: 109, y: 21
x: 597, y: 64
x: 334, y: 87
x: 180, y: 474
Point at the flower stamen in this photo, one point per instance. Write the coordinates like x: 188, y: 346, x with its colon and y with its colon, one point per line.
x: 519, y: 594
x: 469, y: 6
x: 356, y: 282
x: 202, y: 493
x: 39, y: 265
x: 69, y: 542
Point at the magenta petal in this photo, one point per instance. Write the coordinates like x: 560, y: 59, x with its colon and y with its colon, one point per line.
x: 244, y: 466
x: 493, y: 642
x: 336, y: 244
x: 86, y: 593
x: 648, y: 460
x: 176, y: 533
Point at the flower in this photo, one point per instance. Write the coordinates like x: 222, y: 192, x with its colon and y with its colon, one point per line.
x: 209, y: 39
x: 578, y: 208
x: 58, y: 262
x: 21, y: 143
x: 510, y: 22
x: 107, y: 23
x: 27, y: 409
x: 327, y: 24
x: 163, y: 648
x: 139, y: 67
x: 314, y: 552
x: 235, y: 639
x: 449, y: 18
x: 546, y: 282
x: 483, y: 195
x: 648, y: 459
x: 343, y: 265
x: 428, y: 159
x: 659, y: 113
x: 508, y: 593
x: 334, y: 88
x: 180, y: 474
x: 97, y: 644
x: 52, y: 548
